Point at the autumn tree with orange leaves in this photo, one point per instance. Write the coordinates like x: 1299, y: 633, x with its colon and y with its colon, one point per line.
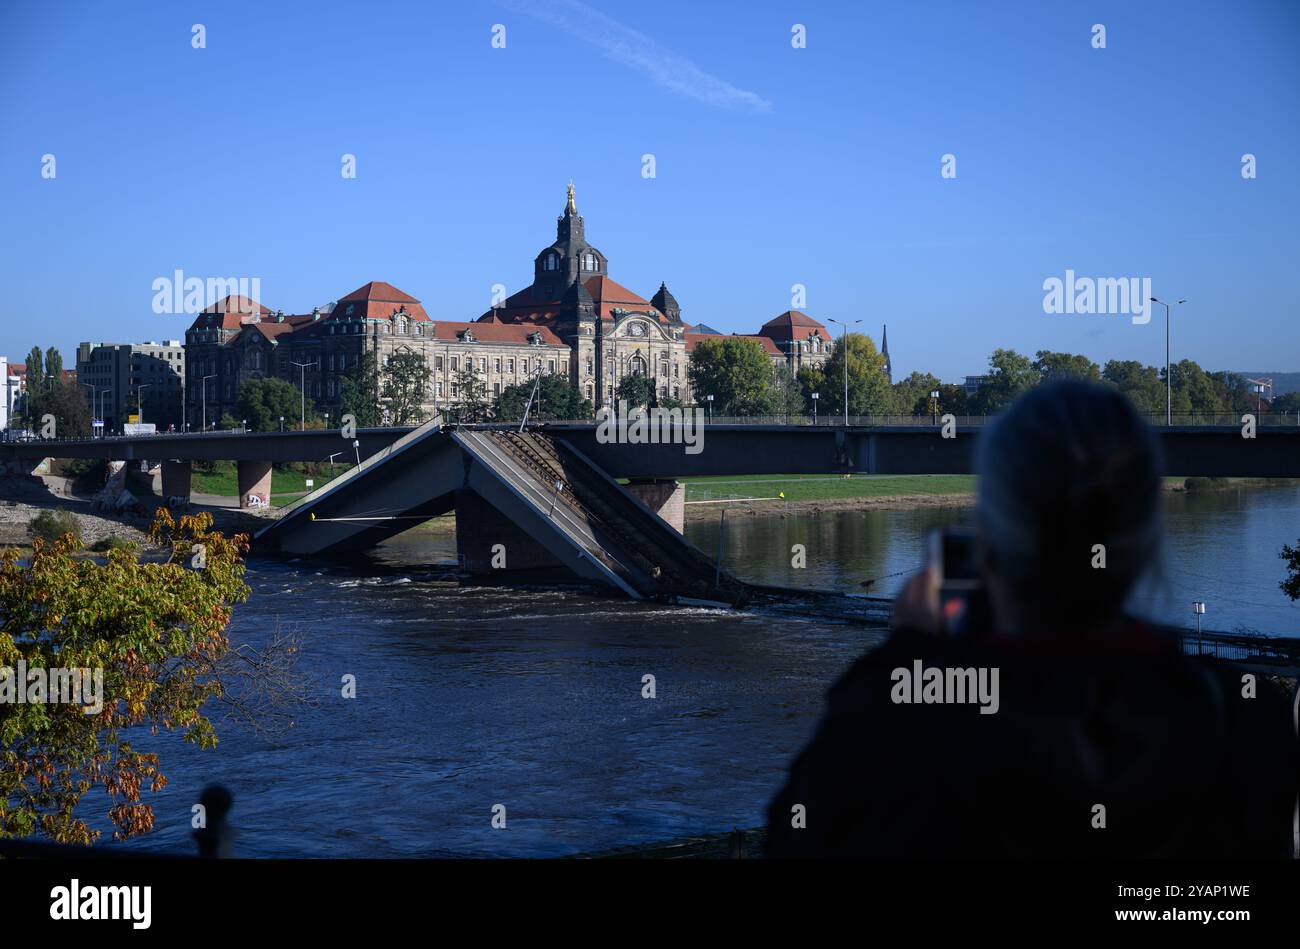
x: 157, y: 629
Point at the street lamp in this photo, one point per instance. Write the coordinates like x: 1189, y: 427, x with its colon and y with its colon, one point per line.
x: 100, y: 413
x: 1169, y: 391
x: 709, y: 399
x: 815, y: 397
x: 281, y: 423
x: 204, y: 384
x: 934, y: 403
x: 844, y: 343
x: 1199, y: 609
x: 302, y: 390
x: 139, y: 400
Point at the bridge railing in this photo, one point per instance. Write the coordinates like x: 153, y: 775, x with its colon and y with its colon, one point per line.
x: 1274, y: 420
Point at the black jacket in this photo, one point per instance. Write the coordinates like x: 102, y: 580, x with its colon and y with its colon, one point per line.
x: 1181, y: 762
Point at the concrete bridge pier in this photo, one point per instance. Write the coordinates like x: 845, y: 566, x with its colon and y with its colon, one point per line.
x: 489, y: 542
x: 176, y: 479
x: 254, y: 482
x: 664, y: 496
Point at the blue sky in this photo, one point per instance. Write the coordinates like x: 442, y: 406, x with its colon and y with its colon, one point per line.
x: 774, y: 165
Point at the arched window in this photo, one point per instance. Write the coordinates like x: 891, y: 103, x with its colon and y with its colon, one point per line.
x: 636, y: 365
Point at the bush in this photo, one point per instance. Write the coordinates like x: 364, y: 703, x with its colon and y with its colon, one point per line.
x: 1205, y: 484
x: 49, y: 526
x: 105, y: 544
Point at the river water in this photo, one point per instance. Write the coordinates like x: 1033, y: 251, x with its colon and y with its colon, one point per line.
x: 468, y: 698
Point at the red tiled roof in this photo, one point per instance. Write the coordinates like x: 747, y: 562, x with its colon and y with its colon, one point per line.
x: 608, y: 294
x: 792, y: 325
x: 488, y: 332
x: 229, y: 313
x: 377, y: 300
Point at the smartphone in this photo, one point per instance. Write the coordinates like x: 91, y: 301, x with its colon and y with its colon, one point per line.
x: 954, y: 552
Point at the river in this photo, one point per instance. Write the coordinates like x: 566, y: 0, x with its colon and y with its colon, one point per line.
x: 468, y: 698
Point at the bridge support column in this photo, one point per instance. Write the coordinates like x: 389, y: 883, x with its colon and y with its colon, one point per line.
x: 254, y: 482
x: 488, y: 542
x: 667, y: 498
x: 176, y: 479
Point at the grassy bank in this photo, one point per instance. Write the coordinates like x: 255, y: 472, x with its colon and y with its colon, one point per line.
x: 221, y: 479
x: 827, y: 487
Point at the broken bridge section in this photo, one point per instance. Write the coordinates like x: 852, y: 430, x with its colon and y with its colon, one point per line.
x: 524, y: 503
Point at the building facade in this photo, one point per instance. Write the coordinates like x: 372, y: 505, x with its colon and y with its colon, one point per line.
x: 127, y: 379
x: 573, y: 320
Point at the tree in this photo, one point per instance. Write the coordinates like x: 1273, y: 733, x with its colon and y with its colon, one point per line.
x: 66, y: 402
x: 1194, y: 392
x: 157, y: 630
x: 868, y: 387
x: 35, y: 372
x: 785, y: 396
x: 735, y: 371
x: 1288, y: 402
x: 555, y: 399
x: 811, y: 379
x: 360, y: 396
x: 263, y: 402
x: 53, y: 365
x: 911, y: 396
x: 1010, y: 375
x: 406, y: 380
x: 1140, y: 384
x: 1051, y: 366
x: 636, y: 390
x: 1291, y: 556
x: 470, y: 392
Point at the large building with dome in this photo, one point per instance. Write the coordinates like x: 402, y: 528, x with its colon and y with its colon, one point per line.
x: 573, y: 320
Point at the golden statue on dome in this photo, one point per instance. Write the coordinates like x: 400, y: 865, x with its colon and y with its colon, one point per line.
x: 571, y: 207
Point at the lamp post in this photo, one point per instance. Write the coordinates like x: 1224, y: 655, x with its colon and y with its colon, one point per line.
x: 1199, y: 609
x: 100, y: 413
x: 815, y: 397
x: 1169, y: 390
x: 934, y: 404
x: 302, y: 390
x: 204, y: 384
x: 844, y: 344
x: 709, y: 399
x: 282, y: 423
x: 139, y: 400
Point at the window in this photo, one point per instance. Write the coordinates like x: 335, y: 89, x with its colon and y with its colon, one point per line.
x: 496, y: 388
x: 455, y: 364
x: 482, y: 364
x: 550, y: 366
x: 589, y: 365
x: 510, y: 364
x: 437, y: 363
x: 437, y: 389
x: 496, y: 364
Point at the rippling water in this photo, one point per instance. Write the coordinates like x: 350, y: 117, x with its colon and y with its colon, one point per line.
x: 468, y: 698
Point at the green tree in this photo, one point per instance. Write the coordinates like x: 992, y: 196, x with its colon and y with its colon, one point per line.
x: 157, y: 630
x: 911, y: 396
x: 734, y: 370
x: 67, y: 402
x: 1051, y: 366
x: 1140, y: 384
x: 636, y: 390
x: 1288, y: 402
x: 470, y: 392
x: 406, y: 380
x: 53, y: 365
x: 868, y: 387
x: 1194, y: 392
x: 360, y: 395
x: 786, y: 394
x: 555, y: 399
x: 35, y: 371
x: 1010, y: 375
x: 262, y: 402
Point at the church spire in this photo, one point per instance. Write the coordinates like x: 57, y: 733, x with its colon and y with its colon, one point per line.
x: 884, y: 351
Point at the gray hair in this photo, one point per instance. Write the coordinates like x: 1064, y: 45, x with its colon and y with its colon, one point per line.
x: 1071, y: 465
